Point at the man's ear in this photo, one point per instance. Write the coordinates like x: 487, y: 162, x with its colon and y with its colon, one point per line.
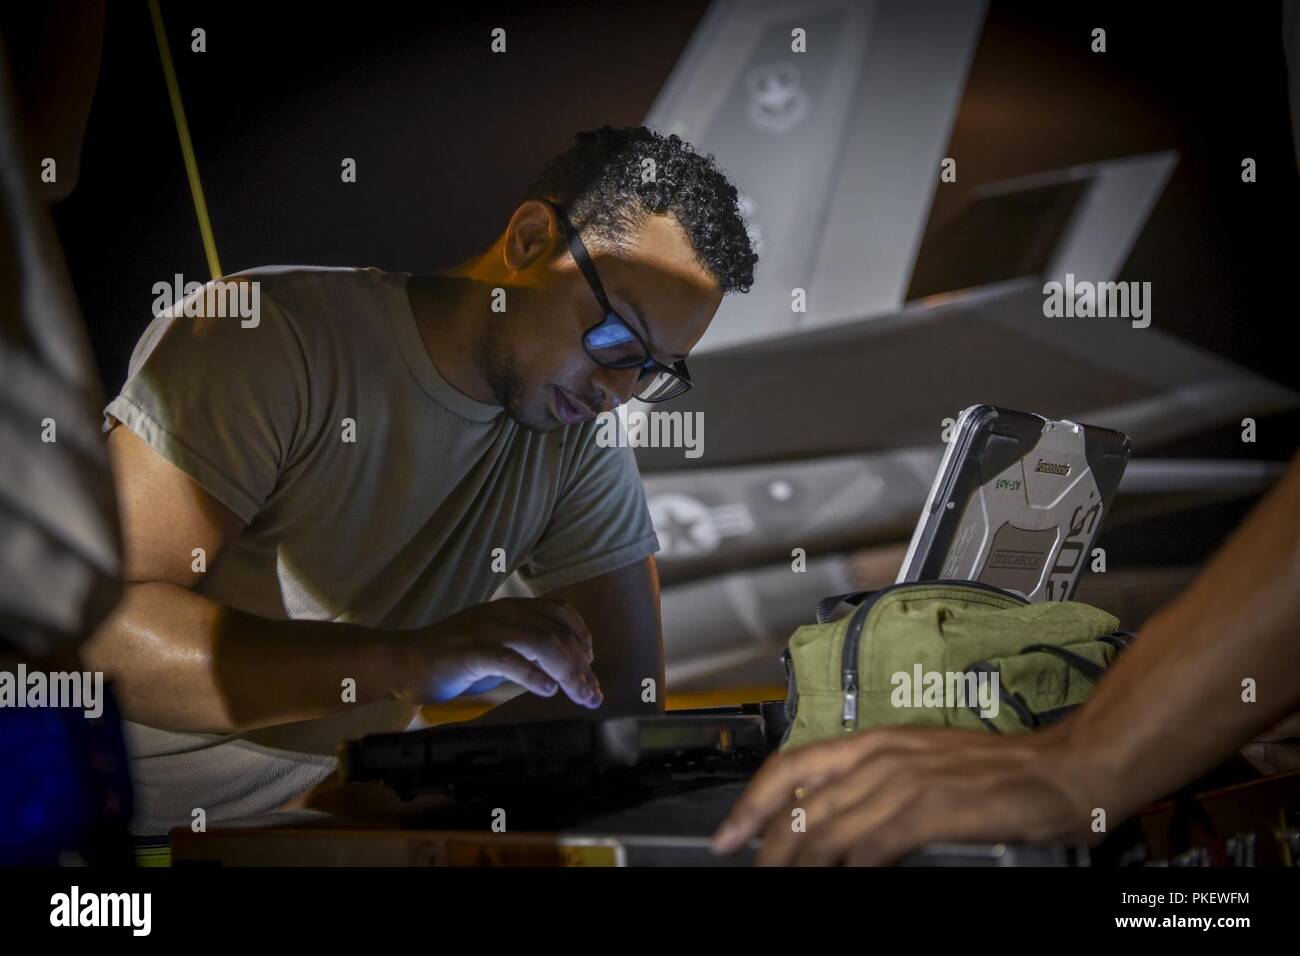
x: 533, y: 235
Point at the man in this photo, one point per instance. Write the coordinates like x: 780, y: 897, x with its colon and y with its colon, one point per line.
x: 318, y: 503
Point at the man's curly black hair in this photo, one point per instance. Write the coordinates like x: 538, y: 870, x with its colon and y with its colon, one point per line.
x: 599, y: 183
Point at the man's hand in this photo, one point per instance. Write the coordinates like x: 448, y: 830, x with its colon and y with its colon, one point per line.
x: 872, y: 797
x: 539, y: 643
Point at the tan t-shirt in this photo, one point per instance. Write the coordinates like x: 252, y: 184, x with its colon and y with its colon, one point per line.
x: 373, y: 492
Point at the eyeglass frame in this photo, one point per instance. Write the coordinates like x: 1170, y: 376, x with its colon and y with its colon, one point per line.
x: 588, y: 269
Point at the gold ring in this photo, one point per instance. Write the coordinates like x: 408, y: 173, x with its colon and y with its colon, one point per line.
x: 800, y: 793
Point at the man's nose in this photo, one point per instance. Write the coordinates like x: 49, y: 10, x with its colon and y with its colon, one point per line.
x: 615, y: 386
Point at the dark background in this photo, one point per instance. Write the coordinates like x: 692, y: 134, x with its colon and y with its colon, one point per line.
x: 447, y: 135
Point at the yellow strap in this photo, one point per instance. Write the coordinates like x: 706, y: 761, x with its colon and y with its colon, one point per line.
x: 187, y: 147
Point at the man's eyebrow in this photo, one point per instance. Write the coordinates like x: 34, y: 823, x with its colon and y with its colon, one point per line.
x: 645, y: 329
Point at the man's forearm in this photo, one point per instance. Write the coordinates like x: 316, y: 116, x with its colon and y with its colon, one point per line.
x: 183, y: 662
x: 1173, y: 706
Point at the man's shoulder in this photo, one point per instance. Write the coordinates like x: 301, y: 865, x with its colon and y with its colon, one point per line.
x: 273, y: 314
x: 337, y: 308
x: 288, y: 283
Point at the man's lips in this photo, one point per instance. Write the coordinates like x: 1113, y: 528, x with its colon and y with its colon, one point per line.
x: 570, y: 411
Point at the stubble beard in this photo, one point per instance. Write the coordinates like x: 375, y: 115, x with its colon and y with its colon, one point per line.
x: 508, y: 386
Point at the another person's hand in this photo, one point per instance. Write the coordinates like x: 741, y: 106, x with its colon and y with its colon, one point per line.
x: 539, y: 643
x: 874, y: 796
x: 1278, y: 749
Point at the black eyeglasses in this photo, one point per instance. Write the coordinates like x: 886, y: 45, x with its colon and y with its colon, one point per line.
x: 612, y: 343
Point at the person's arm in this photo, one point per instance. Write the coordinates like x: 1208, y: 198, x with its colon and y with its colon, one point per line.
x: 621, y: 609
x: 1169, y: 709
x: 1173, y: 706
x: 184, y: 662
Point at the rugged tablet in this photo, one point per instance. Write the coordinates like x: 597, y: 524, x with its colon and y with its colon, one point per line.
x: 1017, y: 503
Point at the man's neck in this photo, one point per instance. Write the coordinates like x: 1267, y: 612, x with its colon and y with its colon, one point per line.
x: 449, y: 307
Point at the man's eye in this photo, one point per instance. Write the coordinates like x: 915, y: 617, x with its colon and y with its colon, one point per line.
x: 609, y: 337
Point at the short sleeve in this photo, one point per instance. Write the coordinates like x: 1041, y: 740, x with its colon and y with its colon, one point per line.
x: 600, y: 522
x: 222, y: 397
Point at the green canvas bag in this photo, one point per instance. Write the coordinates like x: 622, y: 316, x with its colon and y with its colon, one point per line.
x: 1002, y: 663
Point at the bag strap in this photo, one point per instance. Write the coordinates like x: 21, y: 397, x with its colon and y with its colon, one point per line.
x: 828, y: 604
x: 1118, y: 639
x: 1087, y: 668
x: 1027, y: 717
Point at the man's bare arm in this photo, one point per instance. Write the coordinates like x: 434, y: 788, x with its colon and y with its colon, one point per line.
x: 1173, y: 705
x: 185, y: 662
